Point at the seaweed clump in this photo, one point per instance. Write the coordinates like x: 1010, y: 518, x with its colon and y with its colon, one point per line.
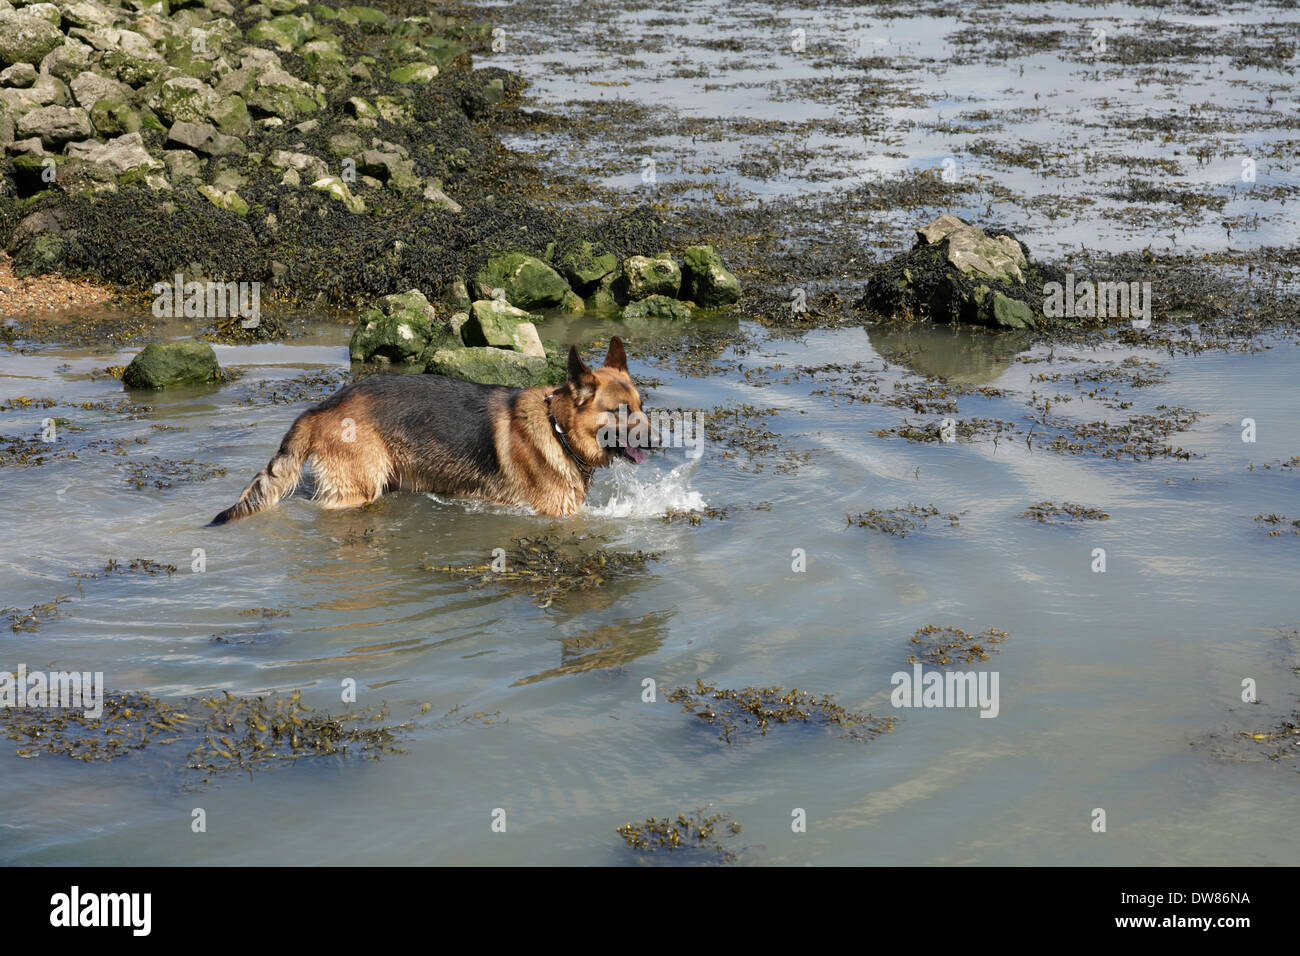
x: 899, y: 521
x: 942, y: 646
x: 740, y: 429
x: 551, y: 569
x: 758, y: 708
x: 30, y: 619
x: 165, y: 473
x: 1049, y: 512
x: 693, y: 832
x: 1285, y: 736
x: 134, y: 566
x: 130, y: 721
x: 1278, y: 525
x: 224, y: 733
x: 243, y: 733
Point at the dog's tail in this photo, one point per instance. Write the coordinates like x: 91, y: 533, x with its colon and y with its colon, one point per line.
x: 278, y: 479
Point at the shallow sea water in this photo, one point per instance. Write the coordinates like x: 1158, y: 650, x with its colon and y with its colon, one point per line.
x: 1118, y: 690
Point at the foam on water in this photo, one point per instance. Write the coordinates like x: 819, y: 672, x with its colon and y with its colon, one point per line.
x: 631, y: 491
x: 638, y: 492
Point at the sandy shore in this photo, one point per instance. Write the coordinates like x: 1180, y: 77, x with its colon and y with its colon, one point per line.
x: 38, y: 295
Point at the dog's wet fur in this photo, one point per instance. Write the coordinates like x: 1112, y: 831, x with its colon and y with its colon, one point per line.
x: 429, y: 433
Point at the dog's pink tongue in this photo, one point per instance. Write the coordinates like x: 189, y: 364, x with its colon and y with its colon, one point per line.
x: 636, y: 454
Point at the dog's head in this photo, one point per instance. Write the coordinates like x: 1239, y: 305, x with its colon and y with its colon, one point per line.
x: 600, y: 411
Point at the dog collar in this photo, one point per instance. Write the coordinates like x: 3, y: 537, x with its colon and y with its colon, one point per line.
x: 583, y: 468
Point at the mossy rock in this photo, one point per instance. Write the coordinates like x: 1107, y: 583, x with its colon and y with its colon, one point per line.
x: 25, y: 38
x: 414, y: 73
x: 230, y: 114
x: 225, y: 199
x: 336, y: 188
x: 658, y: 307
x: 132, y: 70
x: 285, y: 32
x: 40, y: 255
x: 114, y: 118
x: 705, y: 279
x: 605, y: 298
x: 501, y: 325
x: 366, y: 16
x: 184, y: 99
x: 494, y: 366
x: 644, y: 277
x: 175, y: 363
x: 529, y: 283
x: 585, y: 265
x: 398, y: 329
x: 1001, y: 310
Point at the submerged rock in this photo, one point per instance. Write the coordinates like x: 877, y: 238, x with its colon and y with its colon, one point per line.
x: 958, y: 273
x: 175, y: 363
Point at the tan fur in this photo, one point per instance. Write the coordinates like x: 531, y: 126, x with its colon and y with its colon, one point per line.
x: 350, y: 461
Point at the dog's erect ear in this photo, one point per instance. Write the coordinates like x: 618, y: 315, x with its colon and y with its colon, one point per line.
x: 582, y: 380
x: 617, y: 356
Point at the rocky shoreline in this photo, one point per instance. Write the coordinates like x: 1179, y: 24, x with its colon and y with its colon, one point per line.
x: 334, y: 154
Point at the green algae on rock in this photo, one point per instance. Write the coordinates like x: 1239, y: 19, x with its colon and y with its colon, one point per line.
x: 658, y: 307
x: 645, y: 276
x: 499, y: 324
x: 493, y: 366
x: 705, y: 279
x: 175, y: 363
x: 585, y: 264
x: 398, y: 330
x: 525, y: 281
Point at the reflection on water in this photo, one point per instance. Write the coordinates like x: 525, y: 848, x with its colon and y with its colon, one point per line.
x: 608, y: 646
x: 969, y: 355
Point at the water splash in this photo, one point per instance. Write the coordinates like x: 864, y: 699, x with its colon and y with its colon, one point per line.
x: 638, y: 492
x: 631, y: 491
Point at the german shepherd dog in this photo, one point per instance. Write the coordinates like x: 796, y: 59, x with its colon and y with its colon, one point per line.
x: 532, y: 446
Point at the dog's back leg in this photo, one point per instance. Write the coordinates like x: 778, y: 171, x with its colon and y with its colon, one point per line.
x: 351, y: 461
